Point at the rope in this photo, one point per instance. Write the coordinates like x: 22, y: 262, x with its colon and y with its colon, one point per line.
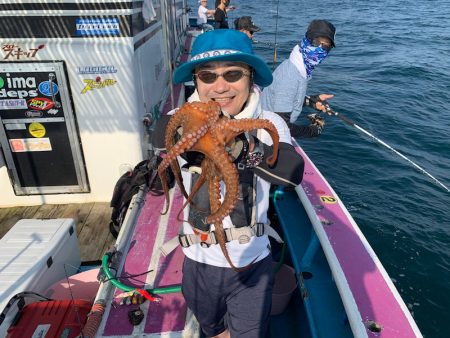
x: 94, y: 319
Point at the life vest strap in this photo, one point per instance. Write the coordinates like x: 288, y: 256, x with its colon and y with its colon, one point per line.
x: 241, y: 234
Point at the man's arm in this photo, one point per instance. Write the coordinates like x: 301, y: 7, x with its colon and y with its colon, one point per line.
x: 287, y: 171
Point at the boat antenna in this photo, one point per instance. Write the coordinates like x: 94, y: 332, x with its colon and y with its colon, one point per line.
x: 275, y: 42
x: 353, y: 124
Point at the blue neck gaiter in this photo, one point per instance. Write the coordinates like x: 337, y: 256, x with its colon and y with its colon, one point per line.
x: 312, y: 56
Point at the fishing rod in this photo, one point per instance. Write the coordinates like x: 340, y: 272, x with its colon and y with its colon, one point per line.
x: 270, y: 44
x: 330, y: 111
x: 275, y: 44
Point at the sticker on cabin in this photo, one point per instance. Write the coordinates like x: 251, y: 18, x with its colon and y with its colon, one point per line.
x: 97, y: 83
x: 34, y: 113
x: 328, y: 199
x: 53, y: 111
x: 15, y: 126
x: 40, y: 103
x: 36, y: 129
x: 48, y: 88
x: 108, y: 69
x: 22, y: 145
x: 12, y: 51
x: 96, y: 27
x: 17, y: 86
x: 10, y: 104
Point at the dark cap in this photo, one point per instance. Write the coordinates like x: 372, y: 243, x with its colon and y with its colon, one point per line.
x: 246, y: 22
x: 321, y: 28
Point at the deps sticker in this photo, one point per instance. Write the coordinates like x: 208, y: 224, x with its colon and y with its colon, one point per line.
x: 17, y: 87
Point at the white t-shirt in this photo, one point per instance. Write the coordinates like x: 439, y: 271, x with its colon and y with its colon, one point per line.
x: 202, y: 15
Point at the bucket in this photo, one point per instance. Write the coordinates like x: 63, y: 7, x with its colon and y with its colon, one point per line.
x: 284, y: 285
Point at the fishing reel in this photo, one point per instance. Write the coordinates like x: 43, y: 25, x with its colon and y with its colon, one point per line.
x: 316, y: 120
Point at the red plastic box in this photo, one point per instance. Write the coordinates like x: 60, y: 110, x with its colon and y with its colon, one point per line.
x: 57, y: 318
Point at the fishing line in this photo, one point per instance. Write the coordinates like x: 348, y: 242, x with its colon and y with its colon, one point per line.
x: 351, y: 123
x: 73, y: 300
x: 270, y: 44
x: 276, y: 35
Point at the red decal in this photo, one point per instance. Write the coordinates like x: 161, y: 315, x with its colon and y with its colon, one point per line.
x: 40, y: 103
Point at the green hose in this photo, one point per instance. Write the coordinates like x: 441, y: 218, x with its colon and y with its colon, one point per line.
x: 126, y: 288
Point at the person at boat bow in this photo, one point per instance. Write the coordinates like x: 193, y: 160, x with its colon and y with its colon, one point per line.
x: 227, y: 302
x: 287, y: 93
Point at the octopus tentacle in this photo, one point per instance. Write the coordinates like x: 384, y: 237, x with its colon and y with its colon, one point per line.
x: 226, y: 130
x: 194, y: 190
x: 214, y: 196
x: 205, y: 130
x: 186, y: 142
x: 229, y: 174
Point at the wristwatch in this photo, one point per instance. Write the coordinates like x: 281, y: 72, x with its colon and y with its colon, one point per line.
x: 255, y: 157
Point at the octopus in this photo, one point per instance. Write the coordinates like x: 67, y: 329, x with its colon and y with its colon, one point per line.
x: 206, y: 130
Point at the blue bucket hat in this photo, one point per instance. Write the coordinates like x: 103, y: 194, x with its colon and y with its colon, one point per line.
x: 224, y: 45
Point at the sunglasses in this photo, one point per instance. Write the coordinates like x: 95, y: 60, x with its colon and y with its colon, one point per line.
x: 231, y: 76
x: 325, y: 46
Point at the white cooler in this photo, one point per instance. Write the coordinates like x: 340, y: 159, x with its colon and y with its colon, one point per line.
x: 34, y: 254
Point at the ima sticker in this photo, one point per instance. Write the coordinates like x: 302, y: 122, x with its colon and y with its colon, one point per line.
x: 36, y: 129
x: 328, y: 199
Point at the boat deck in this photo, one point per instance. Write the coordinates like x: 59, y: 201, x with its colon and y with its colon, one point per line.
x: 92, y: 221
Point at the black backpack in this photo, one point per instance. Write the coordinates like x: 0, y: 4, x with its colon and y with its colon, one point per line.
x: 145, y: 172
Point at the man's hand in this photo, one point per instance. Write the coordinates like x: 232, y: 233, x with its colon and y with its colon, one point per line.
x: 319, y: 102
x: 322, y: 104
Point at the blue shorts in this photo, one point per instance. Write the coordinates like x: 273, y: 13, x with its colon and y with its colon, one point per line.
x: 221, y: 298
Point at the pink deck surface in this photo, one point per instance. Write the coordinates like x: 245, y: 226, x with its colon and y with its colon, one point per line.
x: 372, y: 294
x: 83, y: 285
x: 169, y: 314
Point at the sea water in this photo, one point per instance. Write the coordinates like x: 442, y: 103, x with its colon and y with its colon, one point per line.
x: 390, y: 73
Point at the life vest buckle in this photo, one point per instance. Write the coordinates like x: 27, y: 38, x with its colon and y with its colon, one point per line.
x: 259, y: 229
x: 184, y: 241
x: 243, y: 239
x: 204, y: 245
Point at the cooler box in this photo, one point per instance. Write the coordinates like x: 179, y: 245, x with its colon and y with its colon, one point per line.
x: 34, y: 254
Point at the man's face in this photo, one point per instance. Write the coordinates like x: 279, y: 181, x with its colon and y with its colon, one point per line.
x: 232, y: 94
x: 323, y: 42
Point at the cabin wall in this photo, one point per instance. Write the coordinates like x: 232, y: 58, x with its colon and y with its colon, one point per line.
x: 134, y: 71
